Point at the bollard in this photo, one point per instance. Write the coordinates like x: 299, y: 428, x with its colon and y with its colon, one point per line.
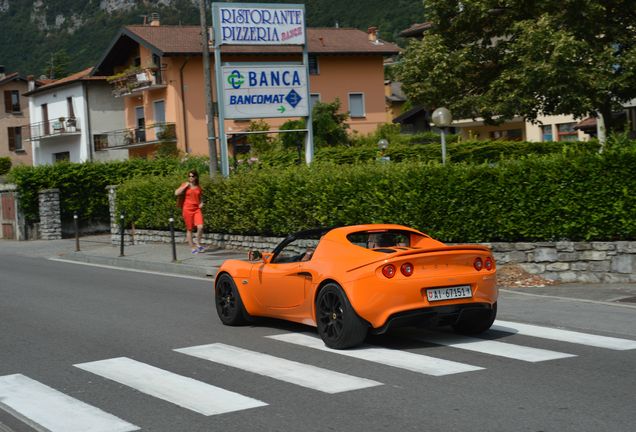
x: 174, y: 246
x: 77, y: 245
x: 121, y: 234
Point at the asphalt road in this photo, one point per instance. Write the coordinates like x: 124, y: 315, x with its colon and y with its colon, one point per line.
x: 60, y: 321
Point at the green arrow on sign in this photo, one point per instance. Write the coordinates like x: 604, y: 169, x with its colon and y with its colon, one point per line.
x: 281, y: 109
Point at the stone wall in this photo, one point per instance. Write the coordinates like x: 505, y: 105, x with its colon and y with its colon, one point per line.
x: 565, y: 261
x: 610, y: 262
x: 50, y: 215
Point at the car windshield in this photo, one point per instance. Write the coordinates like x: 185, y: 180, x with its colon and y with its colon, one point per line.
x: 381, y: 239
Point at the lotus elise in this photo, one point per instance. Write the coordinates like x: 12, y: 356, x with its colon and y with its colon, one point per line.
x: 352, y: 280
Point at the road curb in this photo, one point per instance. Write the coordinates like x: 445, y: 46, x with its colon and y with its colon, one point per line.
x: 131, y: 263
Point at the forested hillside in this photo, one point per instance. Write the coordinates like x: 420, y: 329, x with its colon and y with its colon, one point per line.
x: 65, y: 36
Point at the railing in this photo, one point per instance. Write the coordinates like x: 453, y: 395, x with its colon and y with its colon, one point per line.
x: 137, y: 137
x: 52, y: 128
x: 142, y: 79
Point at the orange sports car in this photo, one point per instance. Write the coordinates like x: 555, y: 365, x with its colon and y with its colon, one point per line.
x: 352, y: 280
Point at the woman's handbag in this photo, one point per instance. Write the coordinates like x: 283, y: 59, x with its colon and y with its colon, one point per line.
x: 181, y: 199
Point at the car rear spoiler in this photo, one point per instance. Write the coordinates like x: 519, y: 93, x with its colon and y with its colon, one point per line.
x: 422, y: 251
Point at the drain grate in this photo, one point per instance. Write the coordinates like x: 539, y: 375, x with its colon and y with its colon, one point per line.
x: 627, y: 300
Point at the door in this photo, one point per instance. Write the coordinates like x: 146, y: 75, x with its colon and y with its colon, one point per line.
x: 140, y: 131
x: 45, y: 120
x: 8, y: 215
x: 280, y: 286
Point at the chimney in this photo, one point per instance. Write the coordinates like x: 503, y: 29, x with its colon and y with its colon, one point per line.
x: 373, y: 34
x: 2, y: 74
x: 30, y: 83
x: 154, y: 19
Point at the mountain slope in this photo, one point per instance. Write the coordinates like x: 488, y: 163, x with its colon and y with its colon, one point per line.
x: 73, y: 34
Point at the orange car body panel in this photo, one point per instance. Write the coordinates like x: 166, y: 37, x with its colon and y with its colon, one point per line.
x: 288, y: 290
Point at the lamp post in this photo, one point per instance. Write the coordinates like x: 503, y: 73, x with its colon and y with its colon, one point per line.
x: 382, y: 146
x: 442, y: 118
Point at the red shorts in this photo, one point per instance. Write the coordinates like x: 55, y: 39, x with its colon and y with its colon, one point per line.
x: 192, y: 218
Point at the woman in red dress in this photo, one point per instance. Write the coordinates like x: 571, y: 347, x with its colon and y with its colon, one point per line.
x: 192, y: 204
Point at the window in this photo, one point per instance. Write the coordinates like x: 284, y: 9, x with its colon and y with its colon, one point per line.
x: 313, y: 98
x: 61, y: 157
x: 566, y: 132
x: 100, y: 142
x: 15, y: 138
x: 160, y: 111
x: 356, y: 105
x: 12, y: 101
x: 300, y: 249
x: 313, y: 65
x: 546, y: 133
x: 507, y: 135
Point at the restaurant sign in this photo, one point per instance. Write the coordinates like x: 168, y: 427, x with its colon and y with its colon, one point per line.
x: 256, y: 24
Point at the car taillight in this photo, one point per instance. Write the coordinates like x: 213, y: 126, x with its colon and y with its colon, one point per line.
x: 478, y: 264
x: 388, y: 271
x: 489, y: 264
x: 406, y: 269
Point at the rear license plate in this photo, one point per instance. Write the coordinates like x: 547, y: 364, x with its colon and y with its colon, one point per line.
x: 456, y: 292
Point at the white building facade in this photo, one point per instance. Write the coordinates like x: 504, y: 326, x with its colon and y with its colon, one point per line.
x: 67, y: 117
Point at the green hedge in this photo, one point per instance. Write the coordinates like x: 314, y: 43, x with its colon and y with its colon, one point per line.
x: 424, y: 151
x: 83, y: 185
x: 5, y: 165
x: 539, y: 198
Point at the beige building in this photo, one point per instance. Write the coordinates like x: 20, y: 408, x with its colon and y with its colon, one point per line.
x: 13, y: 116
x: 158, y: 72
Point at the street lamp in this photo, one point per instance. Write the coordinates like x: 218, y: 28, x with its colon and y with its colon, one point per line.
x: 442, y: 118
x: 382, y: 146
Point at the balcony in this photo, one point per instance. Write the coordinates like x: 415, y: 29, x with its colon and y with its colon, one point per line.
x: 52, y: 128
x: 157, y: 133
x: 131, y: 82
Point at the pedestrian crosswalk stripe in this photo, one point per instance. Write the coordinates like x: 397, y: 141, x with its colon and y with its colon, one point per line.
x: 496, y: 348
x: 177, y: 389
x: 282, y: 369
x: 565, y: 335
x: 41, y: 406
x: 396, y: 358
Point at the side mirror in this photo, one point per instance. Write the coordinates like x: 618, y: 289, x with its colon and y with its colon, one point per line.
x: 254, y: 255
x: 267, y: 257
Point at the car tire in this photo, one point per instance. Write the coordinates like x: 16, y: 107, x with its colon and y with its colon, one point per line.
x: 475, y: 322
x: 229, y: 305
x: 338, y: 324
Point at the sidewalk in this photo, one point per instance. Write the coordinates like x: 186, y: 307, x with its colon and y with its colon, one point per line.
x: 157, y: 257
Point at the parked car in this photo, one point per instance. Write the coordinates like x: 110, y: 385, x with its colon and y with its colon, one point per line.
x: 352, y: 280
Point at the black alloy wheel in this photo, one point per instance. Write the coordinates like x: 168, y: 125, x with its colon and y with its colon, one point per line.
x: 338, y: 324
x: 229, y: 305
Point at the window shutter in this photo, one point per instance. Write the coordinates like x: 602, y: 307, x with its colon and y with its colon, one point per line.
x: 11, y: 132
x: 8, y: 106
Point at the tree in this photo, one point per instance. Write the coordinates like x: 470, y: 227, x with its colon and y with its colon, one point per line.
x: 329, y: 126
x: 58, y: 66
x: 496, y: 59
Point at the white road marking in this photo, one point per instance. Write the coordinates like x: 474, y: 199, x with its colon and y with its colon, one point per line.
x: 400, y: 359
x: 496, y: 348
x: 565, y: 335
x: 110, y: 267
x: 47, y: 409
x: 285, y: 370
x: 186, y: 392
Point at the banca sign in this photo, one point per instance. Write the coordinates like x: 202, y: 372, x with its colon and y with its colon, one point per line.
x: 258, y: 24
x: 265, y: 91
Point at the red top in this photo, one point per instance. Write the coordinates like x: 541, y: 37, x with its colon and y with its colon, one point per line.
x: 192, y: 198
